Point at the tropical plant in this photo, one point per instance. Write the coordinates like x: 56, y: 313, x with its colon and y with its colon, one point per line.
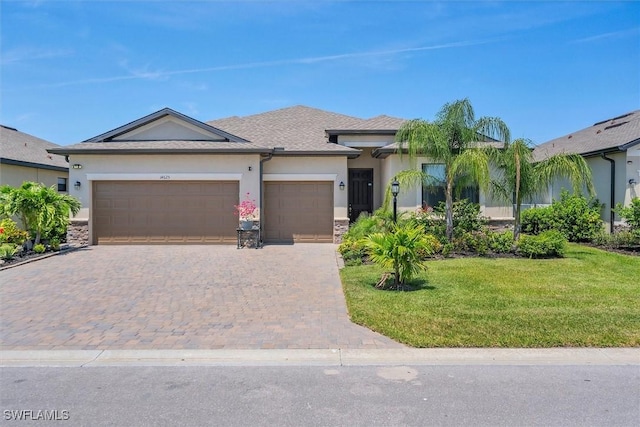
x: 520, y: 178
x: 10, y: 233
x: 457, y: 140
x: 401, y: 249
x: 548, y: 244
x: 39, y: 248
x: 41, y: 209
x: 7, y: 251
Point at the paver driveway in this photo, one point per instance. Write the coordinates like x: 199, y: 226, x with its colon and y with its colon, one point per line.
x: 180, y: 297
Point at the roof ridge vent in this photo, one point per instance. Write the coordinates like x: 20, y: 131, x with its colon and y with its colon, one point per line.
x: 615, y: 125
x: 613, y: 119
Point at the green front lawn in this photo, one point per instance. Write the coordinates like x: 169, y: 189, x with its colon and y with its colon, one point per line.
x: 590, y: 298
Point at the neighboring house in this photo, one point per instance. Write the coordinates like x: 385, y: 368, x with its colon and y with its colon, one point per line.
x: 24, y: 157
x: 168, y: 178
x: 612, y: 150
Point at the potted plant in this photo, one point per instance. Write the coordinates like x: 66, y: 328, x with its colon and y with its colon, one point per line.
x: 246, y: 211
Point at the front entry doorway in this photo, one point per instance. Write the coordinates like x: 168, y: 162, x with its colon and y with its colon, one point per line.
x: 360, y: 192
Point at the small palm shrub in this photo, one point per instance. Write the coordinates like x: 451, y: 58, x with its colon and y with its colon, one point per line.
x: 548, y: 244
x: 8, y: 250
x: 39, y: 248
x: 399, y: 250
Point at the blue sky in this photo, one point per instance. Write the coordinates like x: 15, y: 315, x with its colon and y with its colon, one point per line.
x: 75, y: 69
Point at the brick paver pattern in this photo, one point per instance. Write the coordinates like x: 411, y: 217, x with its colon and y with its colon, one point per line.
x: 180, y: 297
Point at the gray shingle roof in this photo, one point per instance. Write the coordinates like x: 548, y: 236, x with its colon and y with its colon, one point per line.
x: 172, y: 146
x: 609, y: 135
x: 16, y: 146
x: 298, y: 129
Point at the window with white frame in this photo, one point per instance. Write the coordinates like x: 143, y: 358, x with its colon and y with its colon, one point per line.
x: 62, y: 185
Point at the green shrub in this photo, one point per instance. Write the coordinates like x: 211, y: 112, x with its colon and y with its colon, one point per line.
x: 620, y: 239
x: 631, y: 215
x: 501, y: 243
x: 10, y: 233
x: 353, y: 251
x: 54, y: 243
x: 475, y: 242
x: 39, y: 248
x: 8, y: 250
x: 466, y: 219
x: 576, y: 217
x: 548, y: 244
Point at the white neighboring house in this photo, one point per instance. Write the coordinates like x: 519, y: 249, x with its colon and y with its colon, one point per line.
x: 612, y: 149
x: 24, y: 157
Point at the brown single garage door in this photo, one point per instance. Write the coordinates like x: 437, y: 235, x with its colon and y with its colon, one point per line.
x: 179, y: 212
x: 298, y: 212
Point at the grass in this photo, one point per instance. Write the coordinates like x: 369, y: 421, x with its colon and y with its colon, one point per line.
x: 590, y: 298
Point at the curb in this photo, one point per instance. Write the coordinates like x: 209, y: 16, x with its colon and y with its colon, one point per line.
x: 322, y: 357
x: 44, y: 256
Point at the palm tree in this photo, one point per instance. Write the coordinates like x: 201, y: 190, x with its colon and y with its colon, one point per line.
x: 455, y: 139
x: 520, y: 178
x: 41, y: 209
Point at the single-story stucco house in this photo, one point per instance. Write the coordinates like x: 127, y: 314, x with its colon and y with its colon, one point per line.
x: 168, y: 178
x: 612, y: 149
x: 24, y: 157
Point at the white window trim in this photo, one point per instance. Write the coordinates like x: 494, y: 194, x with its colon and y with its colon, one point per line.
x: 165, y: 176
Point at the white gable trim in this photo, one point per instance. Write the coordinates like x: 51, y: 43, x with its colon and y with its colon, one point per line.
x: 168, y: 119
x: 366, y: 144
x: 164, y: 176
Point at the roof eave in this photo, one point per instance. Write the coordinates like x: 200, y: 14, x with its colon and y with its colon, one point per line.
x: 361, y: 131
x: 14, y: 162
x: 63, y: 151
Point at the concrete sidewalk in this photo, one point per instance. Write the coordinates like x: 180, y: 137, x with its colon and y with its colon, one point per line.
x: 319, y: 357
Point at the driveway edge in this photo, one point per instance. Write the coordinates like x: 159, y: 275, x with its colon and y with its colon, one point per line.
x: 321, y: 357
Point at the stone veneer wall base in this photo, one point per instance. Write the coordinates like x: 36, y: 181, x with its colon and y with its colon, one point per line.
x: 78, y: 232
x: 340, y: 226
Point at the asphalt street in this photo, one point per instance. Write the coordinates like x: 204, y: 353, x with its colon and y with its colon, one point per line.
x: 412, y: 395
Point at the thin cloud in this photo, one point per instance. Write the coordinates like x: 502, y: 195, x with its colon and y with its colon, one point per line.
x: 155, y: 75
x: 611, y: 35
x: 23, y: 54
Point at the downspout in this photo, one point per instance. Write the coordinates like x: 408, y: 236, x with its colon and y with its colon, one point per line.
x: 612, y: 190
x: 262, y: 162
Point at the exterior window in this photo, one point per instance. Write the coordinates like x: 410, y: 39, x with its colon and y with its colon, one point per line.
x: 62, y: 185
x: 434, y: 186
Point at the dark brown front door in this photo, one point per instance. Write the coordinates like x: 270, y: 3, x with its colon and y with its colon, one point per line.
x: 360, y: 192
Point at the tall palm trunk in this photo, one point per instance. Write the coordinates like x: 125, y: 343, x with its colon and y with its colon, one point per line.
x: 516, y: 225
x: 449, y: 209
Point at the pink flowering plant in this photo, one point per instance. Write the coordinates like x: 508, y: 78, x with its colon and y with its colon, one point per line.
x: 246, y: 210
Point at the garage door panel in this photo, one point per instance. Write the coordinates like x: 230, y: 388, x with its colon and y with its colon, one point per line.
x: 298, y: 212
x: 132, y: 212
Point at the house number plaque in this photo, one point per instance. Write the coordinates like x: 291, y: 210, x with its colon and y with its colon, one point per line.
x: 165, y: 176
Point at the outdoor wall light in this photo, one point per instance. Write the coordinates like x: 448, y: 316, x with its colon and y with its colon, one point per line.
x: 632, y: 181
x: 341, y: 185
x: 77, y: 166
x: 250, y: 168
x: 77, y: 185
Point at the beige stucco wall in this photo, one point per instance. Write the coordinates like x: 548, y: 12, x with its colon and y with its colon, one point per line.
x: 303, y: 168
x: 161, y: 167
x: 164, y: 129
x: 410, y: 199
x: 15, y: 175
x: 374, y: 140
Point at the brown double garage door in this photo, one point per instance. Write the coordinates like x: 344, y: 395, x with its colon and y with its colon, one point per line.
x: 202, y: 212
